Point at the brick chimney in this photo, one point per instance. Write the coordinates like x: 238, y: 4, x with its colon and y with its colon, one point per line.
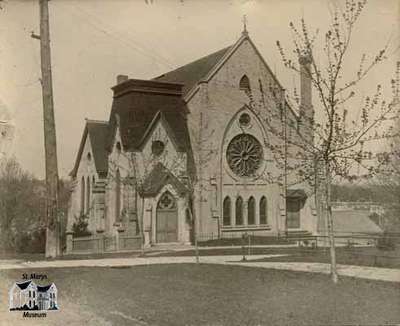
x: 121, y: 79
x: 306, y: 108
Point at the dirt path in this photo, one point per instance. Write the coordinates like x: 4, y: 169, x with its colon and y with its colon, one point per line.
x: 372, y: 273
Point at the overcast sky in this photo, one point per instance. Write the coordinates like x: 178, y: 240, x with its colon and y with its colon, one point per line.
x: 94, y: 40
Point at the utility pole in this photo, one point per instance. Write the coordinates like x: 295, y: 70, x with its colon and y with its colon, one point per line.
x: 50, y: 144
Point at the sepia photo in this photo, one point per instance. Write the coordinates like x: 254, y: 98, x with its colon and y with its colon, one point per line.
x: 200, y: 162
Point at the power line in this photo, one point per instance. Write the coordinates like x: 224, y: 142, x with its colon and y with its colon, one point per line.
x: 123, y: 39
x: 124, y: 35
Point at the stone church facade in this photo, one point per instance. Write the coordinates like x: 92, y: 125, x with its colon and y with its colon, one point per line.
x: 194, y: 150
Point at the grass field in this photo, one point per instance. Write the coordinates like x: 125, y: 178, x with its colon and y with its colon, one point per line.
x: 189, y: 294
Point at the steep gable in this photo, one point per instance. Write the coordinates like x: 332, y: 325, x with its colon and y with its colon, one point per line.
x: 203, y: 69
x: 158, y: 178
x: 137, y: 102
x: 97, y: 133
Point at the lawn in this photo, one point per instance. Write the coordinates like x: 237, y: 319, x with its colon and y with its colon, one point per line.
x: 189, y: 294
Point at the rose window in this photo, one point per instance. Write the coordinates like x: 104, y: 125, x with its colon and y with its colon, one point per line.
x: 244, y: 155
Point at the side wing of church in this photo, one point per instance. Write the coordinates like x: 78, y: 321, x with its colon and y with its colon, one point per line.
x: 198, y: 149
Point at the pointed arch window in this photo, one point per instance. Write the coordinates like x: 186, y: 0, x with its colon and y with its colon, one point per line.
x: 244, y: 84
x: 83, y: 195
x: 239, y: 211
x: 117, y: 195
x: 227, y: 211
x: 88, y: 195
x: 251, y: 211
x: 263, y: 210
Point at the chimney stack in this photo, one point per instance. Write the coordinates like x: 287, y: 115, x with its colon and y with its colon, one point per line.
x: 121, y: 79
x: 306, y: 108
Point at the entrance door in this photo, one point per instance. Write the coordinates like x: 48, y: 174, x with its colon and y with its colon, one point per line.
x: 167, y: 219
x: 293, y: 213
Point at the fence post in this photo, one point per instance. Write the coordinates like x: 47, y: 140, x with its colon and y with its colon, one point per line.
x: 249, y: 245
x: 69, y: 240
x: 100, y: 242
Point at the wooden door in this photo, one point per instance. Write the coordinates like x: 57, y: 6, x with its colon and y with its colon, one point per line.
x: 167, y: 219
x: 293, y: 213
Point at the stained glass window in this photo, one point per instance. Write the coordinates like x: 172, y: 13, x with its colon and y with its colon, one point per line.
x: 244, y: 155
x: 239, y: 211
x: 227, y: 211
x: 251, y: 211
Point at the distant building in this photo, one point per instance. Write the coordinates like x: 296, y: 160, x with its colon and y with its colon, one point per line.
x: 372, y: 207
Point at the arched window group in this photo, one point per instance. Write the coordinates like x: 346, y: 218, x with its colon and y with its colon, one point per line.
x: 236, y: 217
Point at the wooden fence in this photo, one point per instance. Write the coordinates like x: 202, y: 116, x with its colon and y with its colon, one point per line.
x: 103, y: 244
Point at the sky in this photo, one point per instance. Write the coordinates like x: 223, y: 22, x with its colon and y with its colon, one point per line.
x: 92, y: 41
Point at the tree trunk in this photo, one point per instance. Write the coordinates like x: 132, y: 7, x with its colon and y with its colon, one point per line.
x: 331, y: 235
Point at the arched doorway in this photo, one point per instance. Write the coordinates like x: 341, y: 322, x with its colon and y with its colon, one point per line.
x: 167, y: 219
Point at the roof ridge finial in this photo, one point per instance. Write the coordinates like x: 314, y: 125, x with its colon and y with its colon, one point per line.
x: 244, y: 20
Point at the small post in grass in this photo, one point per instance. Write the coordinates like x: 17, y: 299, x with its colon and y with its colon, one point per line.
x: 248, y: 245
x: 244, y: 236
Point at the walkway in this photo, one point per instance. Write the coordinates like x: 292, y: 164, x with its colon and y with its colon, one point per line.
x: 372, y: 273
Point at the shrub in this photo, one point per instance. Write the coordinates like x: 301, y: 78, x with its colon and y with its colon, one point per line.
x: 80, y: 226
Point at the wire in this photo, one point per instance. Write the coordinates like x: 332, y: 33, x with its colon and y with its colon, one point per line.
x: 123, y: 40
x: 124, y: 35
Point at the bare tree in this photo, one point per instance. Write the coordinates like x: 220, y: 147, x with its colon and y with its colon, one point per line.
x: 335, y: 143
x: 21, y: 207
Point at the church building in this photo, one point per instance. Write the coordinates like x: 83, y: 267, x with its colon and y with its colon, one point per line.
x: 202, y: 149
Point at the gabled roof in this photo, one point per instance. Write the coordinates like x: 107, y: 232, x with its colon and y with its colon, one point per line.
x: 190, y: 74
x: 97, y: 132
x: 158, y: 178
x: 23, y: 285
x: 203, y: 69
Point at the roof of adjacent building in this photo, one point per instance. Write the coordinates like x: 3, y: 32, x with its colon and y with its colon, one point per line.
x: 354, y: 220
x: 190, y: 74
x: 97, y: 131
x: 158, y: 178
